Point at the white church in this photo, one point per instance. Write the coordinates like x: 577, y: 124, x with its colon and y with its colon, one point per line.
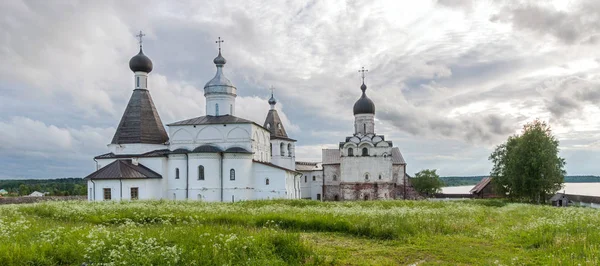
x: 216, y: 157
x: 222, y: 157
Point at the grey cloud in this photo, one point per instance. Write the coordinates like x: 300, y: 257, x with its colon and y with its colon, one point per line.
x: 576, y: 26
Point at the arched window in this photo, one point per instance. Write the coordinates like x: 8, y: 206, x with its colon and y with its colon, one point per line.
x: 379, y: 177
x: 267, y: 182
x: 350, y: 152
x: 314, y: 178
x: 305, y: 179
x: 268, y: 125
x: 176, y: 173
x: 367, y: 176
x: 336, y: 198
x: 365, y: 152
x: 231, y: 109
x: 366, y: 197
x: 271, y: 149
x: 365, y: 128
x: 200, y: 172
x: 289, y: 150
x: 137, y: 81
x: 279, y: 125
x: 281, y: 151
x: 217, y: 109
x: 232, y: 174
x: 334, y: 177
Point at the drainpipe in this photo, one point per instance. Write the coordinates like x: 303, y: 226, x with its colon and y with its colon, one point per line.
x: 96, y: 164
x: 404, y: 180
x: 187, y: 176
x: 121, y: 181
x: 221, y: 173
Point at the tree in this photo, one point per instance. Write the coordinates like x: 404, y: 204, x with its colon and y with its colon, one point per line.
x: 23, y: 190
x: 427, y: 182
x: 527, y: 166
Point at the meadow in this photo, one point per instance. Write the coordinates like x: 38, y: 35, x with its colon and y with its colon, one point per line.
x: 298, y: 232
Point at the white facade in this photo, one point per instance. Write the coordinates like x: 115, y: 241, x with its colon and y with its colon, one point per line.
x: 217, y: 157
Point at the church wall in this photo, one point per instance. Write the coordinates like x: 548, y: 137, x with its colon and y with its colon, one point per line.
x: 261, y: 144
x: 240, y: 188
x: 279, y: 182
x: 121, y: 189
x: 223, y: 136
x: 310, y: 188
x: 226, y: 104
x: 354, y: 169
x: 135, y: 148
x: 208, y: 189
x: 176, y: 187
x: 360, y: 120
x: 285, y: 161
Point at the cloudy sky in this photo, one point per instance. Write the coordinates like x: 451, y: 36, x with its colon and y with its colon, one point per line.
x: 451, y: 79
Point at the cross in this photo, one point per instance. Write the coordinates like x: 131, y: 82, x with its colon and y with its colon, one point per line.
x: 219, y: 42
x: 140, y: 36
x: 272, y: 89
x: 362, y: 73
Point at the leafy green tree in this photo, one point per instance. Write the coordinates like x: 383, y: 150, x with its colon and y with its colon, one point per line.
x: 427, y: 182
x: 24, y: 190
x: 527, y: 166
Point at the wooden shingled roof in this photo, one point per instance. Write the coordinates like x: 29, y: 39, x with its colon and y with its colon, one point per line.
x: 123, y: 169
x: 481, y: 185
x: 140, y: 122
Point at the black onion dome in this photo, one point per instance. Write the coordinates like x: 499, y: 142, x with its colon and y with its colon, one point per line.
x: 219, y: 60
x: 140, y: 63
x: 364, y: 105
x: 272, y: 100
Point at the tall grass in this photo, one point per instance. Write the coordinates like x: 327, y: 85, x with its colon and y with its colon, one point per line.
x: 269, y: 232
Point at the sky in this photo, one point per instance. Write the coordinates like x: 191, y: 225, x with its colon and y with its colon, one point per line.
x: 451, y: 79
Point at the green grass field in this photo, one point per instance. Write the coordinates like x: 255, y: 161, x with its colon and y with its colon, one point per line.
x: 477, y: 232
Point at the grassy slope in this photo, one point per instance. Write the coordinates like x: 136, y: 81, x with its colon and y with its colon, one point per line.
x: 298, y: 232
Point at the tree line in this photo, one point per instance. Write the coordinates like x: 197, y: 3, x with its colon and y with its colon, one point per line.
x: 54, y: 187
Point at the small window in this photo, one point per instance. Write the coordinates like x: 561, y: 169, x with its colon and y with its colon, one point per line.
x: 268, y: 125
x: 231, y: 109
x: 200, y: 172
x: 137, y: 82
x: 314, y: 178
x: 366, y: 176
x: 305, y: 179
x: 365, y: 152
x: 107, y: 194
x: 232, y: 174
x: 336, y: 198
x: 217, y: 109
x: 289, y: 148
x: 281, y: 151
x: 334, y: 177
x: 176, y: 173
x: 267, y: 182
x: 279, y: 125
x: 318, y: 196
x: 365, y: 128
x: 134, y: 193
x: 350, y: 152
x: 379, y: 177
x: 271, y: 149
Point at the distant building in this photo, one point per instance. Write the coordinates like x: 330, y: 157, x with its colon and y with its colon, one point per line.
x: 365, y: 166
x: 36, y: 194
x: 3, y: 192
x: 483, y: 189
x: 560, y: 200
x: 311, y: 182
